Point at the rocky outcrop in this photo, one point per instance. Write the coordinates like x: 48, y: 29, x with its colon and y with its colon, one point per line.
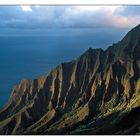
x: 98, y: 93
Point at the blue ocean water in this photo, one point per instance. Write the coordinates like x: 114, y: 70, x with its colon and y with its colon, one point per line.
x: 30, y: 54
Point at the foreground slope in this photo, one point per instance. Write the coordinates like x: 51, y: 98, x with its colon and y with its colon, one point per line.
x: 99, y: 93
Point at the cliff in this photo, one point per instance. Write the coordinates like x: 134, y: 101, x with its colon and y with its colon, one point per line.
x: 98, y: 93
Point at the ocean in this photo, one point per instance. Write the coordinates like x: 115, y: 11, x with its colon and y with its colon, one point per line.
x: 28, y: 55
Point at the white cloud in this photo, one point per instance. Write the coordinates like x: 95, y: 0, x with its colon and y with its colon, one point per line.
x: 98, y: 16
x: 111, y: 9
x: 26, y: 8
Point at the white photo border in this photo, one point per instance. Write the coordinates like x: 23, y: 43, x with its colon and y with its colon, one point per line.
x: 70, y: 2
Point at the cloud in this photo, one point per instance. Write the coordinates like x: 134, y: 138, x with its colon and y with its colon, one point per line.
x: 26, y: 8
x: 103, y: 16
x: 131, y: 11
x: 69, y: 16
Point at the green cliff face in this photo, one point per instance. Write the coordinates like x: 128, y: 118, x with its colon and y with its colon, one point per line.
x: 98, y: 93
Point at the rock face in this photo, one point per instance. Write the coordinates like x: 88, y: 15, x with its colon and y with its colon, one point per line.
x: 99, y: 93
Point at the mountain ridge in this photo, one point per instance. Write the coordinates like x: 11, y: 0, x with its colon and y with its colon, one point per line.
x: 82, y: 96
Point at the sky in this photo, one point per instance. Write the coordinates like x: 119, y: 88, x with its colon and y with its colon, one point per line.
x: 46, y: 17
